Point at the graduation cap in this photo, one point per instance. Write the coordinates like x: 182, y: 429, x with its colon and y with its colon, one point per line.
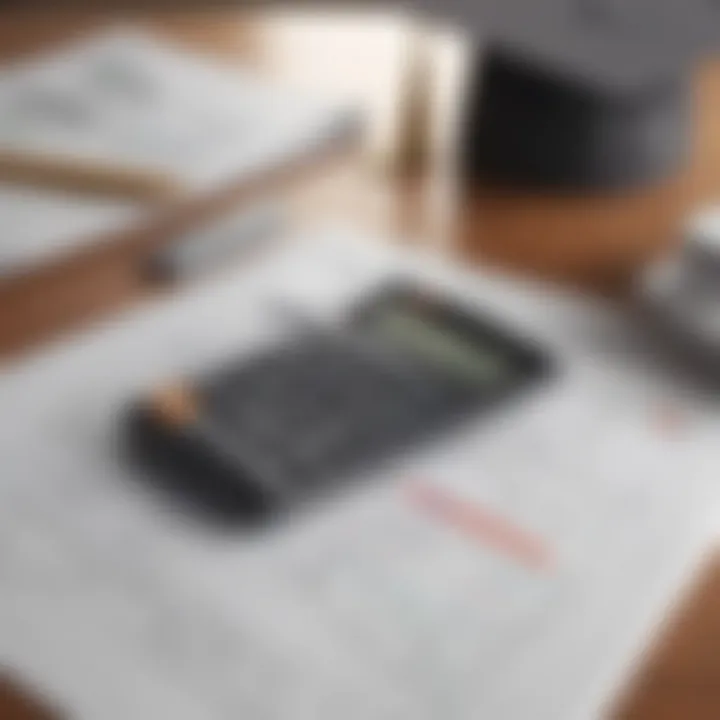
x: 579, y: 94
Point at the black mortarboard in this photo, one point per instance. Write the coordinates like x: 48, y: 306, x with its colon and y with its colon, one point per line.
x: 579, y: 94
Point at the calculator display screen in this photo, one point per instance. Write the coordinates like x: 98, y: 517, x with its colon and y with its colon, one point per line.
x: 470, y: 361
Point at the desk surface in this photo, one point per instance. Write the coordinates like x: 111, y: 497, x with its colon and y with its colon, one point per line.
x: 595, y: 242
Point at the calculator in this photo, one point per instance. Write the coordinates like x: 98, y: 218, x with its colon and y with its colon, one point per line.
x: 270, y: 431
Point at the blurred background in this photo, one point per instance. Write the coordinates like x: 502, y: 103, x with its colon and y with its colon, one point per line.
x: 76, y: 227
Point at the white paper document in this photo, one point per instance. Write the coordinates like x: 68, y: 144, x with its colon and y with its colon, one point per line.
x: 514, y: 570
x: 40, y: 226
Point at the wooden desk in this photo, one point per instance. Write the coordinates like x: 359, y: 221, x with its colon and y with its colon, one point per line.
x: 592, y: 242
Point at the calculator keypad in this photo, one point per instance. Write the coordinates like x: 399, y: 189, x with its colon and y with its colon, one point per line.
x: 317, y: 409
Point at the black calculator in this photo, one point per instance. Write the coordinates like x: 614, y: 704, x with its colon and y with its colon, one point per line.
x: 261, y: 435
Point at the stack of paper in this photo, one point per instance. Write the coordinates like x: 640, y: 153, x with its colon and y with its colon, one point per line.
x: 126, y: 102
